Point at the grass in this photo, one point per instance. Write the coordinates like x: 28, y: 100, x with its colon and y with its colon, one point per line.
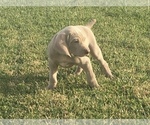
x: 123, y: 34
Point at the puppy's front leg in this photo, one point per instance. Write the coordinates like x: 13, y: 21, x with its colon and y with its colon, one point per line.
x: 52, y: 75
x: 85, y: 64
x: 96, y: 52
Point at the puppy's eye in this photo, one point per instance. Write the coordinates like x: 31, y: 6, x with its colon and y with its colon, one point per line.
x: 76, y: 41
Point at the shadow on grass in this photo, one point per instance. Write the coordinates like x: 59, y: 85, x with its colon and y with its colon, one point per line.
x: 31, y: 83
x: 21, y: 84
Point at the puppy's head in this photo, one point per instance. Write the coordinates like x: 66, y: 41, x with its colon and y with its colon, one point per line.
x: 71, y: 41
x: 77, y: 43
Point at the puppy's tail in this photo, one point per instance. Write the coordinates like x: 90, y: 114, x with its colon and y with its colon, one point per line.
x: 91, y: 23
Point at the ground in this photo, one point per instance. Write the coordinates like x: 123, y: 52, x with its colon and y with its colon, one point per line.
x: 123, y: 33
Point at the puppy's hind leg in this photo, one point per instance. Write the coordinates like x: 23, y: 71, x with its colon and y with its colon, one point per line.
x: 78, y: 70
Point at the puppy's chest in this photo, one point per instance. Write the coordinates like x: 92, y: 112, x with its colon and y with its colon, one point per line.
x: 65, y: 65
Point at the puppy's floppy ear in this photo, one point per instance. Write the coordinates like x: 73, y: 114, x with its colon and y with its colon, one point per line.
x: 60, y: 44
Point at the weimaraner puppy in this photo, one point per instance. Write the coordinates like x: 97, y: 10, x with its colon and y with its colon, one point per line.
x: 69, y: 47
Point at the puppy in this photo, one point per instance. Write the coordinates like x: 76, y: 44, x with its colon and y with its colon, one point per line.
x: 69, y: 47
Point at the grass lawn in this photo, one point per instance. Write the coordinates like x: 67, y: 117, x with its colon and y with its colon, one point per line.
x: 123, y: 33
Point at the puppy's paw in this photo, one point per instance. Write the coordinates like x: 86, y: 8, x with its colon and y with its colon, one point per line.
x: 51, y: 87
x: 109, y: 76
x: 94, y: 85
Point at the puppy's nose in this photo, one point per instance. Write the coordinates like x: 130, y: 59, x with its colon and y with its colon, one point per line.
x: 86, y: 52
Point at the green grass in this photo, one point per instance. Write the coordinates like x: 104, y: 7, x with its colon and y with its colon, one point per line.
x: 123, y: 34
